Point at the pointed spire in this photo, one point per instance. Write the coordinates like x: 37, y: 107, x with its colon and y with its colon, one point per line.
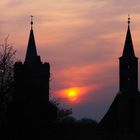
x: 128, y: 47
x: 31, y: 53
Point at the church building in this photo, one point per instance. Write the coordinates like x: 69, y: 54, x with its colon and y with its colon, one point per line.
x: 31, y: 99
x: 123, y: 115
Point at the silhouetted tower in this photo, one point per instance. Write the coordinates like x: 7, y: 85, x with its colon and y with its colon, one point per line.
x: 32, y: 76
x: 31, y: 54
x: 128, y: 66
x: 124, y: 113
x: 31, y: 99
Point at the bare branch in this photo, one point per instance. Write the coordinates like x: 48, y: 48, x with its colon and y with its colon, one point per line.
x: 7, y: 57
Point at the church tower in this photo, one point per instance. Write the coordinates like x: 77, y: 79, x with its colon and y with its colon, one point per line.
x: 128, y: 66
x: 123, y: 115
x: 32, y: 76
x: 31, y: 98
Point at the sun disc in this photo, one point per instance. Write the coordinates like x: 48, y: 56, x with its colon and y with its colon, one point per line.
x: 72, y: 94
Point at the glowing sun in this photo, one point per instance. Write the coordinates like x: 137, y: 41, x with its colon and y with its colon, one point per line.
x: 72, y: 93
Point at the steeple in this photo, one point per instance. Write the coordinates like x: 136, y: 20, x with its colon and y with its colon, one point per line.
x: 128, y: 66
x: 123, y: 115
x: 128, y: 47
x: 31, y: 53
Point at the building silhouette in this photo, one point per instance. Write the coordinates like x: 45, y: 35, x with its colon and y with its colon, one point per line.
x: 123, y: 115
x: 31, y: 105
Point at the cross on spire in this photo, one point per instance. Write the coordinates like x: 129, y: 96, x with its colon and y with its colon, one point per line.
x: 32, y: 22
x: 129, y: 19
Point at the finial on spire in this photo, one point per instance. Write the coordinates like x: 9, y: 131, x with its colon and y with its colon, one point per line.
x: 31, y: 22
x: 129, y: 19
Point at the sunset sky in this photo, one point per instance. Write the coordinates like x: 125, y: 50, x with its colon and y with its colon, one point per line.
x: 81, y: 39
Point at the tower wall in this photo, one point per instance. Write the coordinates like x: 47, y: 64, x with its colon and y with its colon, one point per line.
x: 31, y: 98
x: 32, y: 80
x: 128, y: 75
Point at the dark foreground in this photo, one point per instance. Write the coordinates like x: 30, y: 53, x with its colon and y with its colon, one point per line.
x: 62, y: 131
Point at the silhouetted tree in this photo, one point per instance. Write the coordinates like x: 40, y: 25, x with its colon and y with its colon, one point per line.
x: 62, y: 113
x: 87, y: 121
x: 69, y: 119
x: 7, y: 54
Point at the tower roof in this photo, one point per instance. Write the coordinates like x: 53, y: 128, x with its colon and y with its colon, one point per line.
x: 128, y: 46
x: 31, y: 53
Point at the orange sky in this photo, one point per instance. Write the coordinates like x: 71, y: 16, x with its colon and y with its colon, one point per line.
x: 82, y: 40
